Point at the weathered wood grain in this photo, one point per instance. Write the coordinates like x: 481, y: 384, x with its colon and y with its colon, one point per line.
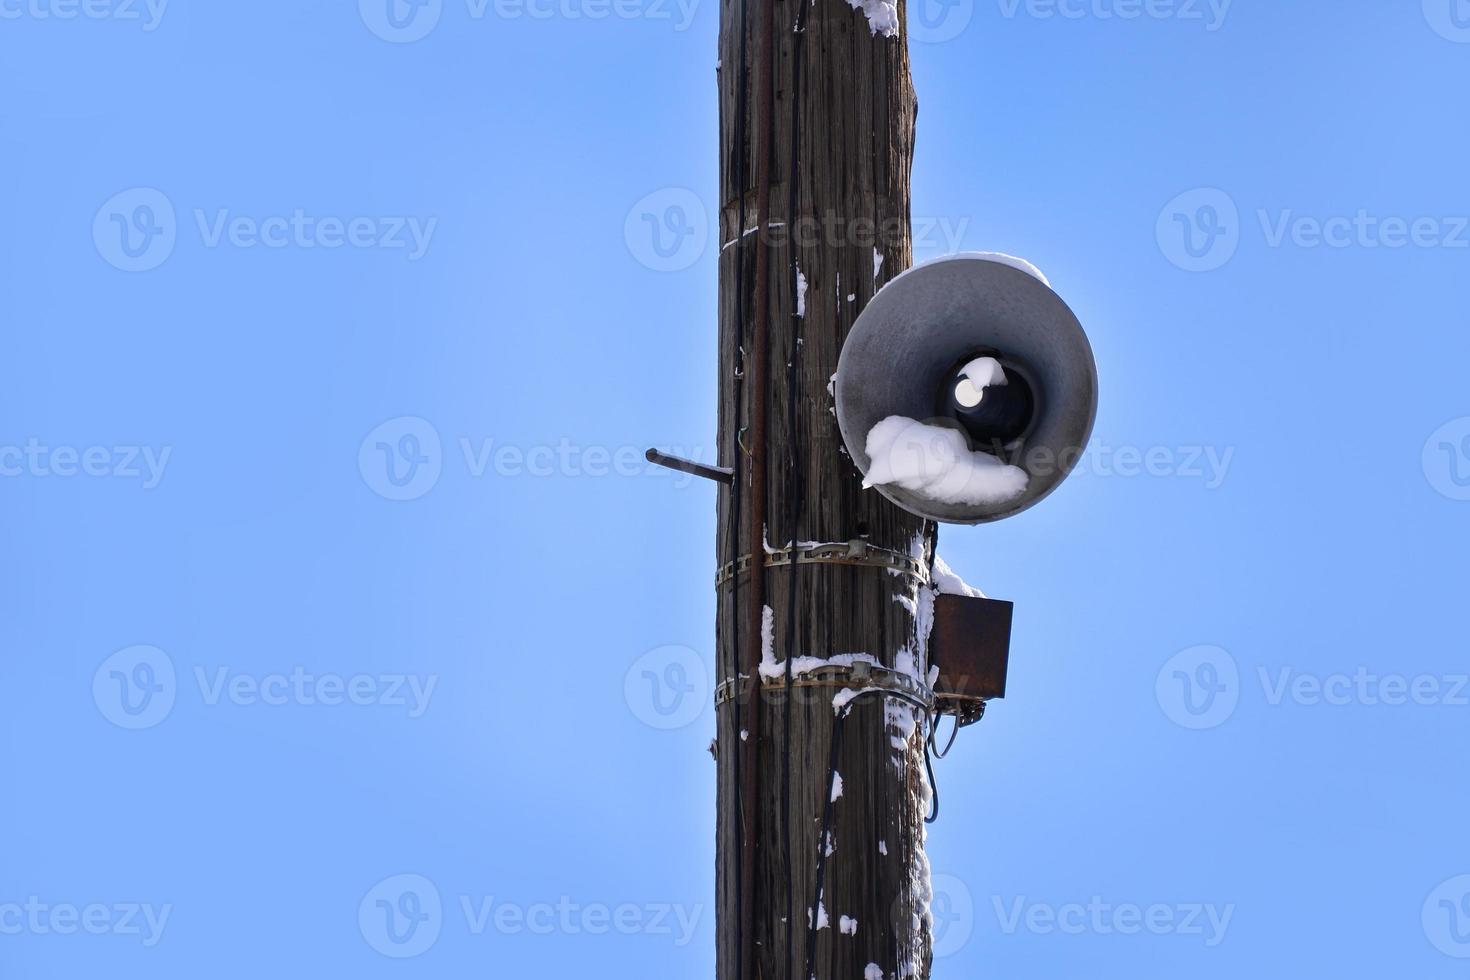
x: 857, y: 109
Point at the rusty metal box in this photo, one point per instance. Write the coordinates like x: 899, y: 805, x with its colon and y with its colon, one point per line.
x: 971, y: 644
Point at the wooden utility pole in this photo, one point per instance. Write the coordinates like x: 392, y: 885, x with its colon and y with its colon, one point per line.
x: 817, y: 113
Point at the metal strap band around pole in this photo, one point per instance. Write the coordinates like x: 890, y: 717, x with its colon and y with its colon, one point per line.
x: 831, y: 553
x: 860, y: 676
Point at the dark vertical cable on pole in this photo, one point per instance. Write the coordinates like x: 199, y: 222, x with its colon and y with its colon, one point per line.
x: 759, y: 392
x: 816, y: 909
x: 737, y: 452
x: 795, y: 477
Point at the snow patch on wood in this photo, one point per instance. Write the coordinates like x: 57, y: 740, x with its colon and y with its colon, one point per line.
x: 882, y: 15
x: 771, y: 668
x: 822, y: 922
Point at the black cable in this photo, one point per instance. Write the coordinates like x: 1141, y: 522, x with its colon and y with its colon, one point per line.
x: 933, y: 816
x: 736, y: 484
x: 812, y: 916
x: 931, y: 749
x: 934, y: 732
x: 795, y: 487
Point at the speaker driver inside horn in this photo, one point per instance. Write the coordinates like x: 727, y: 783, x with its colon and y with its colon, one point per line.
x: 991, y: 399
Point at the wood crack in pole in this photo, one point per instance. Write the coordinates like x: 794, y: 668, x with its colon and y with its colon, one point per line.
x: 849, y: 127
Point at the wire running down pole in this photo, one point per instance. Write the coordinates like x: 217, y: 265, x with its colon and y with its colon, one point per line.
x: 759, y: 372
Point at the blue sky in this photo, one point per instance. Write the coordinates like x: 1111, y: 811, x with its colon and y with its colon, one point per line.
x: 262, y: 696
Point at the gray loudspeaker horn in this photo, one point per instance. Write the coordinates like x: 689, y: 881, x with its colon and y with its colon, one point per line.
x: 967, y: 390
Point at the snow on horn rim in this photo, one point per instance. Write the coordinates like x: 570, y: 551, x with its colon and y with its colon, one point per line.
x: 1013, y: 261
x: 999, y: 258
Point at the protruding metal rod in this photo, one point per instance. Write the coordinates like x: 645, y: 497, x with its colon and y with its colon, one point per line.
x: 720, y: 474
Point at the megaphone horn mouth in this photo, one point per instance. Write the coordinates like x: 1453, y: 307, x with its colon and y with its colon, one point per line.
x: 994, y: 361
